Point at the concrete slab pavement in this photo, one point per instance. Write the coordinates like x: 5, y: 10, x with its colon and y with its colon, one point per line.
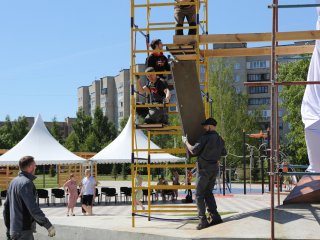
x: 250, y: 222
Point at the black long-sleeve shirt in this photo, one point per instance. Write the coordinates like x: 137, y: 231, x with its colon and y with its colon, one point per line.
x: 209, y: 147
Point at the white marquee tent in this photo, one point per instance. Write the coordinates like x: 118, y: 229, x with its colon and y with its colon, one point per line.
x: 119, y: 151
x: 40, y: 144
x: 310, y: 109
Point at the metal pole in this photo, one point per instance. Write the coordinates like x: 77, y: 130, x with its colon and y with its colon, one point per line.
x: 293, y: 6
x: 273, y: 114
x: 268, y: 155
x: 132, y: 70
x: 244, y: 163
x: 262, y: 174
x: 44, y: 176
x: 224, y: 176
x: 277, y: 107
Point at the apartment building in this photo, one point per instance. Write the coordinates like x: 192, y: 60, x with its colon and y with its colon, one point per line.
x: 111, y: 93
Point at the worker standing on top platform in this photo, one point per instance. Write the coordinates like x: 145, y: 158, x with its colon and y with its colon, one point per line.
x: 185, y: 11
x: 157, y: 60
x: 159, y: 93
x: 209, y: 149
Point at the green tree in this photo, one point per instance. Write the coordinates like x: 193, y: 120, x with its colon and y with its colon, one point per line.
x: 123, y: 123
x: 55, y: 130
x: 291, y: 101
x: 12, y: 133
x: 72, y: 142
x: 20, y: 129
x: 230, y: 108
x: 114, y: 171
x: 92, y: 143
x: 6, y: 141
x: 82, y: 125
x: 103, y: 130
x: 124, y: 171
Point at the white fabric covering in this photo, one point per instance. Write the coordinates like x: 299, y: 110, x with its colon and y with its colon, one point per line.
x: 119, y: 151
x: 40, y: 144
x: 310, y: 109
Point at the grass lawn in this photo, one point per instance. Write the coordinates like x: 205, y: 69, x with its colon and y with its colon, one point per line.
x: 50, y: 182
x: 120, y: 178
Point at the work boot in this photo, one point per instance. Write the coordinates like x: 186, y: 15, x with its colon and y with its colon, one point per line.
x: 214, y: 219
x: 203, y: 224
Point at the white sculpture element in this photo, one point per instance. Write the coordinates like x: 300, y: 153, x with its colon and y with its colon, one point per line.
x: 310, y: 109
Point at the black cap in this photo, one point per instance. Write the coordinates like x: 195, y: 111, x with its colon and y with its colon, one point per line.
x: 210, y: 121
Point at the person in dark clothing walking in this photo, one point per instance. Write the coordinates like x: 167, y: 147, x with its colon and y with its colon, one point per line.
x: 209, y: 149
x: 158, y: 92
x: 157, y: 60
x: 185, y: 11
x: 21, y: 212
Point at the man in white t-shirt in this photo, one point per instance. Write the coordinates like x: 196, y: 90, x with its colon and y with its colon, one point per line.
x: 88, y: 191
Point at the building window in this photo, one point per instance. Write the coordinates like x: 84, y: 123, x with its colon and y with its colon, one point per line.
x: 120, y: 114
x: 258, y: 64
x: 237, y: 78
x: 260, y: 89
x: 258, y: 77
x: 121, y: 104
x: 104, y: 91
x: 259, y: 101
x: 237, y: 66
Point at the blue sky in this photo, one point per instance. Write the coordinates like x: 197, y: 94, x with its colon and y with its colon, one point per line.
x: 48, y: 48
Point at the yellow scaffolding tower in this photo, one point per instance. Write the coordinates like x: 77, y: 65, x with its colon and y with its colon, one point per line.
x: 195, y: 53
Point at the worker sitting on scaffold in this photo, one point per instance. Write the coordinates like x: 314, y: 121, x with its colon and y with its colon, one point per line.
x: 158, y: 93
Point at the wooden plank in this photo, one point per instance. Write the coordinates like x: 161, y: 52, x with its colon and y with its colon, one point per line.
x: 248, y: 37
x: 187, y: 57
x: 264, y: 51
x: 189, y: 99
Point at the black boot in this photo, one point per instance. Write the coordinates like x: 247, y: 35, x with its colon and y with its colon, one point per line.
x: 203, y: 223
x: 214, y: 219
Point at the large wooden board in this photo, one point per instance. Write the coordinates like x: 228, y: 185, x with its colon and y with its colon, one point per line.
x: 189, y: 99
x: 306, y: 191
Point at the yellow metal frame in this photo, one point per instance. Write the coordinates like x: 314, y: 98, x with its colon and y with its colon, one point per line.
x: 201, y: 62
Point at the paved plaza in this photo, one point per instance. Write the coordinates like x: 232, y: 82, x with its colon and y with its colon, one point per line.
x: 247, y: 218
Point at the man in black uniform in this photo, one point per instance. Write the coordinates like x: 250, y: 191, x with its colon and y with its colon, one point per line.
x: 209, y: 148
x: 158, y: 92
x: 157, y: 60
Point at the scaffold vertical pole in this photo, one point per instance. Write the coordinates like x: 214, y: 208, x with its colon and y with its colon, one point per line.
x: 132, y: 110
x: 149, y: 180
x: 273, y: 116
x: 277, y: 104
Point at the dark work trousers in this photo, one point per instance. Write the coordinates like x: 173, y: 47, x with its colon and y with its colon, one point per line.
x: 206, y: 177
x: 157, y: 115
x: 24, y: 235
x: 180, y: 13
